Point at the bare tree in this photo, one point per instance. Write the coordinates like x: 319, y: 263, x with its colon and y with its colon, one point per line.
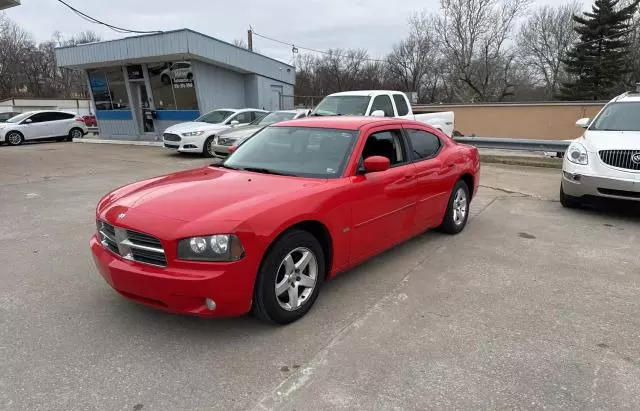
x: 413, y: 65
x: 543, y: 41
x: 474, y: 34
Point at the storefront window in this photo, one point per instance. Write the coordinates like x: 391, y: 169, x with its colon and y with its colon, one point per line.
x: 108, y: 88
x: 173, y: 86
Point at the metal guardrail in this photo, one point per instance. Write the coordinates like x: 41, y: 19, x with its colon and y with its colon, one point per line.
x: 516, y: 144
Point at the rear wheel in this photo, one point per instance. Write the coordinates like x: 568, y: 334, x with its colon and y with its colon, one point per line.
x: 75, y: 133
x: 457, y: 214
x: 14, y: 138
x: 290, y: 278
x: 568, y: 201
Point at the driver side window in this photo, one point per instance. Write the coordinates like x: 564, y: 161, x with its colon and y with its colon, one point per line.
x: 243, y: 118
x: 386, y: 144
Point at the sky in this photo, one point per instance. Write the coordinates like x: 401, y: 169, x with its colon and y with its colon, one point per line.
x: 320, y: 24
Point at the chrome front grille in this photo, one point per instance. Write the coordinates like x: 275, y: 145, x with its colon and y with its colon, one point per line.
x: 171, y: 137
x: 627, y: 159
x: 132, y: 245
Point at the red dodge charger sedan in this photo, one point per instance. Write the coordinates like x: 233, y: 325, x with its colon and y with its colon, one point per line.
x: 298, y: 203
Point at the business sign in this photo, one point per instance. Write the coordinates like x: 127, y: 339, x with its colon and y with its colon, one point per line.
x: 182, y: 83
x: 135, y: 72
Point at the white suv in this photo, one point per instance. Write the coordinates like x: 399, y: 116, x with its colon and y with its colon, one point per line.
x: 605, y: 162
x: 34, y: 125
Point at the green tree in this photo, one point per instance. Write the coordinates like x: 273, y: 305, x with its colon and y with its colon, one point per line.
x: 599, y: 62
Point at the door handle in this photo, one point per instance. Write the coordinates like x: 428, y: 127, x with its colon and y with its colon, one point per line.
x: 451, y: 165
x: 408, y: 176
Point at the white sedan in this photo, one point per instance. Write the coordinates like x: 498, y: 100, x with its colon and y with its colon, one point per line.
x: 195, y: 136
x: 605, y: 162
x: 36, y: 125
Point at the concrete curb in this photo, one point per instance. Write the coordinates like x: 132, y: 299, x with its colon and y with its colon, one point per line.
x: 523, y: 161
x: 121, y: 142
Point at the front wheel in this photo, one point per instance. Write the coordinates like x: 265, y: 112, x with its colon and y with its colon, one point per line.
x: 457, y: 214
x: 207, y: 150
x: 568, y: 201
x: 290, y: 278
x: 14, y: 138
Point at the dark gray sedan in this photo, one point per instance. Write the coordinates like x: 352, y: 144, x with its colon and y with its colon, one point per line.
x: 235, y: 136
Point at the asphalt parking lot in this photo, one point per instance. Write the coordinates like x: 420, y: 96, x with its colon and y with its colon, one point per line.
x: 533, y: 306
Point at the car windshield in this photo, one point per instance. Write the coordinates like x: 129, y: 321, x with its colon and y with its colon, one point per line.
x: 343, y: 106
x: 19, y: 118
x: 215, y: 117
x: 295, y: 151
x: 6, y: 116
x: 274, y: 117
x: 618, y: 117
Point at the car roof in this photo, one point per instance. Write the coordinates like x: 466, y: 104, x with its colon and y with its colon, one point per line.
x: 627, y: 98
x: 344, y: 122
x: 365, y: 93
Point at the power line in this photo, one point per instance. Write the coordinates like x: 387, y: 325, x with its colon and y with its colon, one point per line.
x: 295, y: 47
x: 112, y: 27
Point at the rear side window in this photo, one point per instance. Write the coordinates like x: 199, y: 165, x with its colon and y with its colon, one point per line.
x: 60, y: 116
x: 424, y: 144
x: 43, y: 117
x: 383, y: 102
x: 401, y: 104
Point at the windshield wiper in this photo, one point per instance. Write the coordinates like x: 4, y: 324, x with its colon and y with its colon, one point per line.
x: 263, y: 171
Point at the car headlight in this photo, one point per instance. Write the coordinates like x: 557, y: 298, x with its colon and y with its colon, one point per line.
x: 577, y: 153
x: 218, y: 247
x: 193, y: 133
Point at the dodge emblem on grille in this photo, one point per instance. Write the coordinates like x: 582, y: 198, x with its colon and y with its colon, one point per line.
x: 636, y: 158
x: 121, y: 216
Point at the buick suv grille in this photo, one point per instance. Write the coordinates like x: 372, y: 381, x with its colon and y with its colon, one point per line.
x: 132, y: 245
x: 627, y: 159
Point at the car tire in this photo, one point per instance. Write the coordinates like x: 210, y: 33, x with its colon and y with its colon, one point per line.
x: 279, y: 270
x: 75, y: 133
x: 457, y: 215
x: 207, y: 150
x: 14, y: 138
x: 568, y: 201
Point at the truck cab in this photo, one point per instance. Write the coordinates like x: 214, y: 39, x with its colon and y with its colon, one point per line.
x: 381, y: 103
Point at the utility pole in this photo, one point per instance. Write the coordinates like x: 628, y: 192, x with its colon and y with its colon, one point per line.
x: 250, y: 39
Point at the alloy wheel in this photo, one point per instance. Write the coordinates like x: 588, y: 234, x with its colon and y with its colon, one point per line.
x: 296, y: 278
x: 14, y: 138
x: 459, y: 207
x: 76, y: 133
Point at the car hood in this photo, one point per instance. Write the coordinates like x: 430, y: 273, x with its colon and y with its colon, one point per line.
x: 612, y: 140
x: 241, y: 132
x: 208, y: 194
x: 194, y: 126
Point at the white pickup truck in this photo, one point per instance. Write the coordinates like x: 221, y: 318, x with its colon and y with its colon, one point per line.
x: 383, y: 104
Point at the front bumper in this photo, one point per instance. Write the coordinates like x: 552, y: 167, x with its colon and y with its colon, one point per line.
x: 186, y: 144
x: 221, y: 151
x: 180, y: 290
x: 599, y: 180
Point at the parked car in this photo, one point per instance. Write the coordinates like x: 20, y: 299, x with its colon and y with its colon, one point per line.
x: 4, y: 116
x: 196, y: 136
x: 605, y: 161
x: 177, y: 70
x: 223, y: 142
x: 382, y: 104
x: 298, y: 203
x: 34, y: 125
